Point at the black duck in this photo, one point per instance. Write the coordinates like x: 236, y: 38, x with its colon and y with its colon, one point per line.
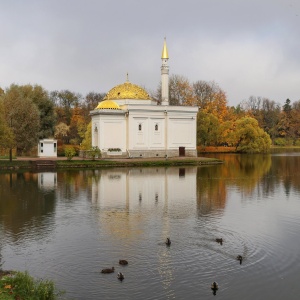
x: 120, y: 276
x: 240, y: 258
x: 214, y: 286
x: 219, y: 240
x: 168, y: 242
x: 108, y: 270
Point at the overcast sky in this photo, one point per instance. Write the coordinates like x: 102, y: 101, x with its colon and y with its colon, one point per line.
x: 246, y: 47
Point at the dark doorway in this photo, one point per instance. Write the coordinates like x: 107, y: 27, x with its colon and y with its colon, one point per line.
x: 181, y: 151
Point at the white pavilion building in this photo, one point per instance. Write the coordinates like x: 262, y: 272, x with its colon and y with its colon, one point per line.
x: 129, y: 123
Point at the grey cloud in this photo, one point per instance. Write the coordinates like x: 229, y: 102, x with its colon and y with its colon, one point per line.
x: 248, y: 47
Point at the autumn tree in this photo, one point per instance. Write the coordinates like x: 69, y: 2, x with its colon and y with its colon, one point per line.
x: 6, y: 133
x: 253, y: 104
x: 266, y: 112
x: 64, y: 102
x: 270, y: 114
x: 285, y: 126
x: 204, y: 92
x: 289, y: 123
x: 40, y: 98
x: 210, y: 98
x: 227, y: 133
x: 296, y: 106
x: 236, y: 112
x: 89, y: 103
x: 287, y: 108
x: 250, y: 138
x: 77, y: 126
x: 62, y: 132
x: 87, y: 140
x: 180, y: 91
x: 156, y: 94
x: 295, y: 117
x: 23, y: 117
x: 207, y: 129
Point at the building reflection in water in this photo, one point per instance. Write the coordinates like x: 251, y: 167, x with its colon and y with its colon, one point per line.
x: 121, y: 189
x: 47, y: 180
x: 133, y: 204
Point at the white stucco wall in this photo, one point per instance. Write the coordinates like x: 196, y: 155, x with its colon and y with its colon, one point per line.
x: 134, y: 129
x: 181, y: 133
x: 113, y: 134
x: 111, y: 131
x: 146, y: 137
x: 47, y: 148
x: 157, y: 134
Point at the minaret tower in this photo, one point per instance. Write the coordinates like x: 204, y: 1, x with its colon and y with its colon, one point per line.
x: 165, y: 75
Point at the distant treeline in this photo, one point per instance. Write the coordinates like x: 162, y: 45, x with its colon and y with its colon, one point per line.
x: 29, y: 113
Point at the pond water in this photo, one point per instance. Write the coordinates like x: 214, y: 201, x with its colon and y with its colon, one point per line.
x: 67, y: 226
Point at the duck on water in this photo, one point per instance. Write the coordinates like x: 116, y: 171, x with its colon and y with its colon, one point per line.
x: 120, y: 276
x: 108, y: 270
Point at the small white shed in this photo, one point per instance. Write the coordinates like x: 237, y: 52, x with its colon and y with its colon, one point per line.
x: 47, y: 148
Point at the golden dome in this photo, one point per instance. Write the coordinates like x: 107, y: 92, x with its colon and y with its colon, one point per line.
x: 108, y: 104
x: 127, y: 90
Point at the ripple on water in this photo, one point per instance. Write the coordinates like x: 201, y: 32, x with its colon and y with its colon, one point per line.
x: 202, y: 256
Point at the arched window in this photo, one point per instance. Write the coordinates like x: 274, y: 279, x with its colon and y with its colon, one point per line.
x: 156, y: 127
x: 140, y: 127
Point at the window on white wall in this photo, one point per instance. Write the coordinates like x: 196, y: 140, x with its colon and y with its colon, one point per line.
x: 156, y: 127
x: 140, y: 127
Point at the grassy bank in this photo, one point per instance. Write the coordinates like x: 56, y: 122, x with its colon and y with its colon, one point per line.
x: 15, y: 164
x: 135, y: 163
x: 21, y: 286
x: 24, y: 164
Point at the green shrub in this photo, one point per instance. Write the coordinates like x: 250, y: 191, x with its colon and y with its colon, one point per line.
x: 19, y: 285
x: 70, y: 152
x: 297, y: 142
x: 94, y: 152
x: 280, y: 142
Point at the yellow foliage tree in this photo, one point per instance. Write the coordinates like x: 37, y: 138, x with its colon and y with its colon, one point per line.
x: 87, y: 141
x: 250, y: 138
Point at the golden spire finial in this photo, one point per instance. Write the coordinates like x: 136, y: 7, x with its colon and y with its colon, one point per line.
x: 165, y: 54
x: 127, y: 80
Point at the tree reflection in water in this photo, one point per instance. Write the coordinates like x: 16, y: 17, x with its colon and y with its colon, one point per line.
x: 82, y: 220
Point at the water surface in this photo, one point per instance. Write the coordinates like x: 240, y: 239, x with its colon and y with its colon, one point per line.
x: 67, y: 226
